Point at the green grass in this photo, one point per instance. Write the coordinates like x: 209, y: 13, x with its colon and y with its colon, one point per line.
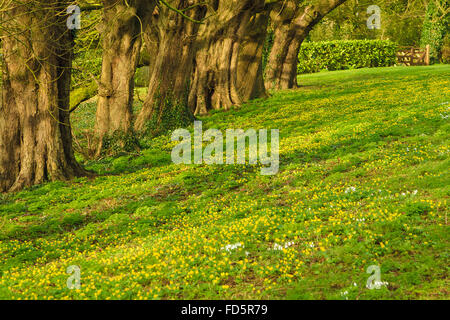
x: 363, y: 181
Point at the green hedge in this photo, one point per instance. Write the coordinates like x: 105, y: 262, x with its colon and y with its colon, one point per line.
x: 346, y: 54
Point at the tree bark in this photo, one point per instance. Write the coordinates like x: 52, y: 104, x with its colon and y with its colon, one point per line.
x: 171, y: 39
x: 122, y: 26
x: 292, y: 24
x: 222, y: 40
x: 250, y: 78
x: 35, y: 131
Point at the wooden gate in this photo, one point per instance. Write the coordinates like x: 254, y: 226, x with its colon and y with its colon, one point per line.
x: 410, y: 56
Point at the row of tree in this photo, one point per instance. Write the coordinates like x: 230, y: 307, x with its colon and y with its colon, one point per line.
x: 205, y: 55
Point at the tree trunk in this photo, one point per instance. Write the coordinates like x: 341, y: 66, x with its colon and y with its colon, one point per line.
x: 121, y: 28
x: 35, y: 131
x: 173, y: 36
x: 215, y: 83
x: 250, y: 68
x: 292, y: 24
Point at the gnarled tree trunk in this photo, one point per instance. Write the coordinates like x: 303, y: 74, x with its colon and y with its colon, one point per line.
x: 171, y: 39
x: 35, y: 131
x: 292, y: 23
x: 250, y: 79
x: 222, y: 41
x: 122, y: 26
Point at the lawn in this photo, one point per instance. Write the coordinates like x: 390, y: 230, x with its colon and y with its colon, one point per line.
x: 364, y: 180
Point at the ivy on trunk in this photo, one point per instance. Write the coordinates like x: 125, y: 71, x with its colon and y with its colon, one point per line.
x: 122, y: 27
x: 170, y: 38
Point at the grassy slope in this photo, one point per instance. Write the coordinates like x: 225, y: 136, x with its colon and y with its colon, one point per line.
x: 355, y: 147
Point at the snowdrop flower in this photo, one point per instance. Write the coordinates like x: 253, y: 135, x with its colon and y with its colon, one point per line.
x: 231, y: 247
x: 344, y: 294
x: 288, y: 244
x: 378, y: 284
x: 350, y: 189
x: 277, y: 246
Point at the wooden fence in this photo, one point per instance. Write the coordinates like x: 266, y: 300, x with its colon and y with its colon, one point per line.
x: 410, y: 56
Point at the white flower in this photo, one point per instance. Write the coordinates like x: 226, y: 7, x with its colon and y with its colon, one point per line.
x: 276, y: 246
x: 279, y: 247
x: 350, y: 189
x: 230, y: 247
x: 379, y: 284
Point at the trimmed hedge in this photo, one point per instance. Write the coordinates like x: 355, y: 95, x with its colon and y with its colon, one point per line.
x: 346, y: 54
